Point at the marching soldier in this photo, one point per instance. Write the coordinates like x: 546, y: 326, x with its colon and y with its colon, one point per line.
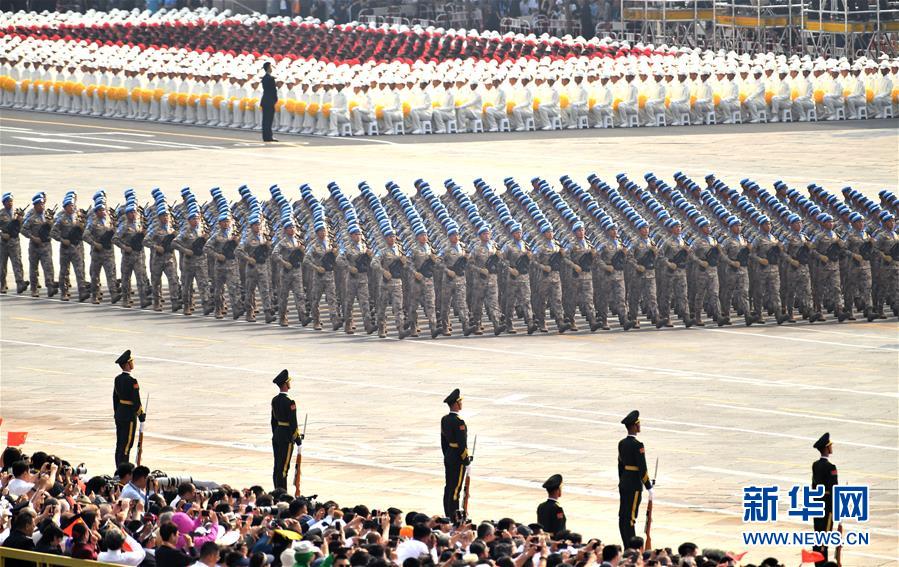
x: 517, y: 257
x: 290, y: 252
x: 549, y: 514
x: 454, y: 295
x: 860, y: 248
x: 454, y: 444
x: 222, y: 247
x: 357, y: 261
x: 129, y: 238
x: 642, y: 288
x: 706, y: 253
x: 98, y: 235
x: 127, y: 407
x: 321, y: 258
x: 828, y: 250
x: 736, y: 264
x: 69, y: 231
x: 580, y: 257
x: 632, y: 477
x: 190, y: 242
x: 673, y: 284
x: 766, y: 251
x: 392, y: 264
x: 888, y: 273
x: 10, y: 227
x: 485, y: 267
x: 254, y: 250
x: 36, y: 229
x: 613, y: 259
x: 285, y: 429
x: 799, y: 283
x: 548, y: 256
x: 424, y: 262
x: 159, y: 241
x: 824, y: 473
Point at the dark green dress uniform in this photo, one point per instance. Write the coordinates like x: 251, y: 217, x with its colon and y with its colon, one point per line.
x: 632, y: 478
x: 824, y: 473
x: 454, y: 444
x: 127, y: 410
x: 549, y: 514
x: 285, y: 432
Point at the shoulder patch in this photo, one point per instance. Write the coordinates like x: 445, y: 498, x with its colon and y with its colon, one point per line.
x: 136, y: 385
x: 462, y: 427
x: 834, y: 471
x: 560, y: 515
x: 293, y: 406
x: 642, y: 450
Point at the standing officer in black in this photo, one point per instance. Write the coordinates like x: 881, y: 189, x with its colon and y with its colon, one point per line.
x: 269, y: 98
x: 285, y: 431
x: 454, y: 443
x: 824, y: 473
x: 127, y: 408
x: 632, y: 477
x: 549, y: 514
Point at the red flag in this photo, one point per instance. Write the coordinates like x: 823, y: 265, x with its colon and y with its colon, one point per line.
x: 126, y: 548
x: 736, y: 556
x: 16, y: 438
x: 811, y: 556
x: 68, y: 530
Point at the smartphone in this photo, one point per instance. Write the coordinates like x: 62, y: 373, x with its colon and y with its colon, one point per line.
x: 205, y: 513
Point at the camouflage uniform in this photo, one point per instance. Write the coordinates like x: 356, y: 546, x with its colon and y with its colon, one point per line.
x: 391, y: 261
x: 829, y: 248
x: 580, y: 257
x: 162, y: 262
x: 673, y: 280
x: 736, y: 281
x: 258, y: 274
x: 132, y: 261
x: 10, y: 248
x: 799, y: 283
x: 888, y: 271
x: 36, y: 227
x: 291, y: 278
x: 194, y: 267
x: 98, y: 236
x: 323, y: 281
x: 612, y: 261
x: 706, y: 277
x: 766, y: 251
x: 518, y: 292
x: 424, y: 263
x: 484, y: 264
x: 225, y: 274
x: 454, y: 291
x: 357, y: 262
x: 860, y: 247
x: 642, y: 286
x: 71, y: 255
x: 549, y: 261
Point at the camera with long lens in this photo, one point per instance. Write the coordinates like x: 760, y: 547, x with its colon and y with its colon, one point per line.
x: 166, y: 482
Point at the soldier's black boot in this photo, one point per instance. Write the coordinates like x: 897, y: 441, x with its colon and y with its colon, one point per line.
x: 269, y: 316
x: 748, y: 319
x: 20, y: 287
x: 563, y: 327
x: 842, y: 315
x: 870, y: 315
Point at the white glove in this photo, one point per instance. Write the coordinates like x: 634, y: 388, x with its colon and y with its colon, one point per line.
x: 649, y: 494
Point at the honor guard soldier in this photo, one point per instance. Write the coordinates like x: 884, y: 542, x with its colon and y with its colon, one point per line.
x: 549, y: 514
x: 127, y: 407
x: 454, y: 443
x: 285, y: 430
x: 824, y: 473
x: 632, y: 477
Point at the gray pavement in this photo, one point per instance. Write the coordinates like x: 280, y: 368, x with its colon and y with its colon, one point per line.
x: 723, y: 408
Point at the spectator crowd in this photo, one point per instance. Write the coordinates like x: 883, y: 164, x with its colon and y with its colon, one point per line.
x: 144, y: 518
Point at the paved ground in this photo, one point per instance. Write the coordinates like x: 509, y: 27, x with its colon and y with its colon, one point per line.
x: 723, y: 408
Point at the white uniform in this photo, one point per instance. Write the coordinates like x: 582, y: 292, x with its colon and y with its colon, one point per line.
x: 678, y: 102
x: 601, y: 97
x: 801, y: 93
x: 754, y: 102
x: 494, y: 105
x: 469, y: 108
x: 445, y: 109
x: 339, y: 113
x: 626, y: 93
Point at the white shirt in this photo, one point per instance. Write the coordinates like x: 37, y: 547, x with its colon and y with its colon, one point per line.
x: 412, y: 548
x: 17, y: 487
x: 132, y: 558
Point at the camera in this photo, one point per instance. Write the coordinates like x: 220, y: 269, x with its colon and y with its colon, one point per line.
x: 171, y: 482
x: 266, y: 510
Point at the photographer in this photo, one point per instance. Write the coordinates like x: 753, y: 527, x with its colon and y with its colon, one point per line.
x: 187, y: 493
x: 136, y: 489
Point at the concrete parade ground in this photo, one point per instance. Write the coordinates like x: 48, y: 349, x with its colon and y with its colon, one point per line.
x: 721, y: 408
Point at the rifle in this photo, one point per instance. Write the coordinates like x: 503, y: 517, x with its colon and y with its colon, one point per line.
x: 467, y: 481
x: 298, y: 472
x: 838, y: 555
x: 140, y: 433
x: 648, y: 541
